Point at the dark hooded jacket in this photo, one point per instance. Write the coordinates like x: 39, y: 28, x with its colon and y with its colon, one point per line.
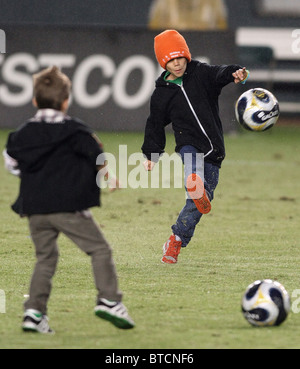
x: 58, y: 167
x: 192, y: 109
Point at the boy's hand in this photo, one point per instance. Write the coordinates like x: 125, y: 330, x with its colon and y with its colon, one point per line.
x: 11, y: 164
x: 149, y: 165
x: 240, y: 75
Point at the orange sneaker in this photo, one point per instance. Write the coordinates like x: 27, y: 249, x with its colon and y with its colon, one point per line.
x: 195, y: 188
x: 171, y: 250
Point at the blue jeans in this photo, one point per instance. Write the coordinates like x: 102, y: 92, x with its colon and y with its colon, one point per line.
x: 189, y: 216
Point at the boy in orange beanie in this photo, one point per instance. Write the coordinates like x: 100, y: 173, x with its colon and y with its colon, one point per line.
x: 186, y: 95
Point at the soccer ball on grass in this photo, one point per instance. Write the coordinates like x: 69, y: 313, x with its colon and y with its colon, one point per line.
x: 265, y: 303
x: 257, y: 109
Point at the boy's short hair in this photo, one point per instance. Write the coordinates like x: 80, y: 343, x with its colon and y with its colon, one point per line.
x: 51, y: 88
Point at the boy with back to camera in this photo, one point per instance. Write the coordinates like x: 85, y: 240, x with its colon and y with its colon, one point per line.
x: 55, y: 156
x: 186, y: 95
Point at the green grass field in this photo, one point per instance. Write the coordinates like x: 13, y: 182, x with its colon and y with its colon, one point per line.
x: 251, y: 233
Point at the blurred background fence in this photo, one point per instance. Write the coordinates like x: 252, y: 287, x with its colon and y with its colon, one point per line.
x: 106, y: 48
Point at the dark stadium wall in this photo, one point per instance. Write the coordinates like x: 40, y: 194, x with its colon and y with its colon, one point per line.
x: 115, y: 13
x: 133, y: 13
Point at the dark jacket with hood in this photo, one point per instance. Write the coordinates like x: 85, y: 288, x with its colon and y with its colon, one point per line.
x: 193, y: 110
x: 58, y: 166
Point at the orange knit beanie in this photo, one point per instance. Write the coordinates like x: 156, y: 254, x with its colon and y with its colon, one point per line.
x: 170, y: 45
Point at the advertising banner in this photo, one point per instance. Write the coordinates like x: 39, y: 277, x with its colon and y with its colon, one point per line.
x: 113, y: 72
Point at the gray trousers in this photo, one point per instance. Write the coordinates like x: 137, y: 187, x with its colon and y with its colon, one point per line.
x: 84, y: 232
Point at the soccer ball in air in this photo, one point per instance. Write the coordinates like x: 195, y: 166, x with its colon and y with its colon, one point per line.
x: 257, y: 109
x: 265, y: 303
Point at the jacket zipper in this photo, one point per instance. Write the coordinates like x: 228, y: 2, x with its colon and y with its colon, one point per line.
x: 197, y: 119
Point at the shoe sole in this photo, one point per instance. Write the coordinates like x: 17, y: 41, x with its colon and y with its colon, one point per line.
x: 168, y: 261
x: 29, y: 327
x: 116, y: 321
x: 195, y: 188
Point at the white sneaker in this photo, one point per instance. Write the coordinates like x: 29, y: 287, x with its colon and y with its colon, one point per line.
x: 114, y: 312
x: 35, y: 321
